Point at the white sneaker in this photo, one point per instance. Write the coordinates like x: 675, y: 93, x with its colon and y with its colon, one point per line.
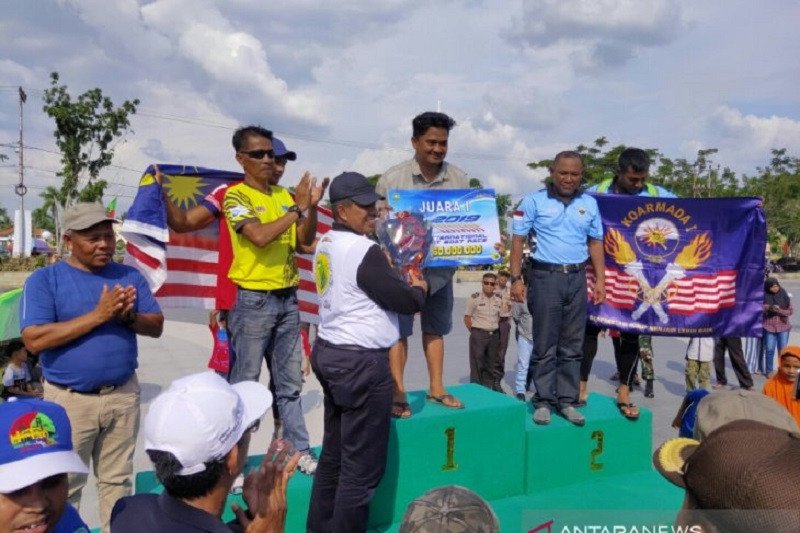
x: 308, y: 463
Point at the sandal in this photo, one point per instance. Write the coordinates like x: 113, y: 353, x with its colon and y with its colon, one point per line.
x: 447, y: 400
x: 625, y: 410
x: 401, y: 410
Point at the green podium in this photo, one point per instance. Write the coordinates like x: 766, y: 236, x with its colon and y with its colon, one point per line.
x: 532, y: 475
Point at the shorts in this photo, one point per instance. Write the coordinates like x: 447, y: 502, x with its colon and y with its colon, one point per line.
x: 436, y: 316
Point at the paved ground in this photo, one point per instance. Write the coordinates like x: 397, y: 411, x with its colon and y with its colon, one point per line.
x: 186, y: 345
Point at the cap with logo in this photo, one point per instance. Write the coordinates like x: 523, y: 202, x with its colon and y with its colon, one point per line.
x: 353, y: 186
x: 35, y: 443
x: 84, y: 215
x: 280, y: 150
x: 201, y: 417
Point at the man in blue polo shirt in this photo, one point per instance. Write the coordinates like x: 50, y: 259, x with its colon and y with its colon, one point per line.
x: 82, y: 315
x: 568, y: 231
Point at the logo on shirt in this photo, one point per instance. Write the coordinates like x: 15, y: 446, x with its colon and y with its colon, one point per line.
x: 32, y: 430
x: 322, y: 271
x: 238, y: 211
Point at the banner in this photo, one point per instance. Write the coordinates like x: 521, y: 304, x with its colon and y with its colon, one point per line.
x: 464, y: 223
x: 682, y: 267
x: 181, y: 268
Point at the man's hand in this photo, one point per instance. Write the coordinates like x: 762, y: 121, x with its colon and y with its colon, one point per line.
x: 158, y: 176
x: 264, y: 490
x: 111, y: 303
x: 302, y: 193
x: 599, y: 292
x: 518, y: 291
x: 418, y: 281
x: 318, y: 191
x: 129, y: 300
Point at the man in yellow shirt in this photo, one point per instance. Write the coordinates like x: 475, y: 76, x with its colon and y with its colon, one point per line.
x: 266, y: 227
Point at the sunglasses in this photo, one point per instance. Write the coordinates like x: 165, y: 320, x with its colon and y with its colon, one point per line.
x: 489, y: 283
x: 259, y: 154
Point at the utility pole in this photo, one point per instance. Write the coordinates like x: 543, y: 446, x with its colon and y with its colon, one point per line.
x: 21, y: 189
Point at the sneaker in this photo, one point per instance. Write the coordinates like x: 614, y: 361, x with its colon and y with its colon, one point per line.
x: 572, y: 415
x: 520, y: 397
x: 308, y: 463
x: 541, y: 416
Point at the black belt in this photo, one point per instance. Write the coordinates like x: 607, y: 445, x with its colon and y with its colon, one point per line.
x: 489, y: 331
x: 555, y: 267
x: 347, y: 347
x: 105, y: 389
x: 280, y: 293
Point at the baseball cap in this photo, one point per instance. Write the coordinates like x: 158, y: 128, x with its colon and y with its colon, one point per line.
x: 354, y: 186
x: 719, y: 408
x: 280, y: 150
x: 449, y: 509
x: 84, y: 215
x: 201, y: 417
x: 743, y: 465
x: 35, y: 443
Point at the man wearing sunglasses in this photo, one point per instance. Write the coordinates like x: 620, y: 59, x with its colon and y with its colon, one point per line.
x: 267, y: 226
x: 482, y: 318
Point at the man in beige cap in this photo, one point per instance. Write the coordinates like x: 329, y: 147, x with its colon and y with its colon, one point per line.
x: 82, y: 315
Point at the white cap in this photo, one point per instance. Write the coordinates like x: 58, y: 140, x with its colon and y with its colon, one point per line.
x: 201, y: 417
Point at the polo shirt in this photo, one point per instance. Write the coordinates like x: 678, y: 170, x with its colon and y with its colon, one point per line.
x: 161, y: 513
x: 260, y: 268
x: 561, y: 229
x: 407, y: 175
x: 107, y: 354
x: 226, y: 290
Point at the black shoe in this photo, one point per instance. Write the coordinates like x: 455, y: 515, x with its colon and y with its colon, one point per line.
x: 648, y: 389
x: 520, y: 397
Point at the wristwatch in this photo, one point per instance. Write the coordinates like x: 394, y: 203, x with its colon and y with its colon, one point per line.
x: 296, y: 209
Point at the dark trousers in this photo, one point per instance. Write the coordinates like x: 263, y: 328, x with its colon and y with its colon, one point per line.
x: 626, y: 353
x: 557, y: 303
x: 483, y: 346
x: 358, y: 400
x: 500, y: 364
x: 589, y: 349
x: 734, y: 347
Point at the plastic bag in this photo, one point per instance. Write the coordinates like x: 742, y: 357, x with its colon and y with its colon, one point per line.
x: 220, y: 360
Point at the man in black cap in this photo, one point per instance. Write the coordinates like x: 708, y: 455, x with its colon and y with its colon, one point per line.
x: 360, y: 298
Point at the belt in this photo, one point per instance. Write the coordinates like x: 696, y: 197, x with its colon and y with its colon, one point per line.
x: 347, y: 347
x: 281, y: 293
x: 554, y: 267
x: 489, y: 331
x: 100, y: 391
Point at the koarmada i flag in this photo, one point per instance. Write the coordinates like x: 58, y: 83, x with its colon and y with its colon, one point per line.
x: 682, y: 267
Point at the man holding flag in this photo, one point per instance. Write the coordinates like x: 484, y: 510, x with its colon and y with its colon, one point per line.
x: 267, y: 226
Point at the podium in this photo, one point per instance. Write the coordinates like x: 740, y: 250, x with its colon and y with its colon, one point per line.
x: 531, y: 475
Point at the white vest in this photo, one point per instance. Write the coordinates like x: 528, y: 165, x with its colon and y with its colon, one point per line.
x: 346, y: 314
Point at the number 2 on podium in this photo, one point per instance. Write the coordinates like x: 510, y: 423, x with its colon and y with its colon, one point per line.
x: 450, y: 463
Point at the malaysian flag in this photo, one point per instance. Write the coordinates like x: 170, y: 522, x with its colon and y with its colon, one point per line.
x: 682, y: 266
x: 182, y: 269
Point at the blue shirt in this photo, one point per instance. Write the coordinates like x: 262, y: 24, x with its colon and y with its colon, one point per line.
x: 71, y: 522
x: 662, y: 192
x: 104, y: 356
x: 561, y: 229
x: 690, y: 414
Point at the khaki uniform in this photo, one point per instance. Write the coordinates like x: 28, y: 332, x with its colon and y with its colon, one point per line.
x: 484, y: 339
x: 505, y: 334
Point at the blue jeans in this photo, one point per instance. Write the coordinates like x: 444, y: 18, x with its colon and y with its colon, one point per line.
x: 524, y: 353
x: 266, y: 326
x: 557, y: 302
x: 771, y: 342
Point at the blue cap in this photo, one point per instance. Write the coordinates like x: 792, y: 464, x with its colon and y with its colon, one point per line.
x: 35, y: 443
x: 280, y: 150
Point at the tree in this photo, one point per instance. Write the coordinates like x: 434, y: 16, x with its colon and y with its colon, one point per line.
x: 86, y: 129
x: 5, y: 220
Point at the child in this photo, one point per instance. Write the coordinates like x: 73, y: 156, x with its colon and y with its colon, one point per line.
x: 687, y: 413
x: 699, y: 355
x: 16, y: 377
x: 782, y: 386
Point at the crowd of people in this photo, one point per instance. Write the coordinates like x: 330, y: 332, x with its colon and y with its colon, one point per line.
x: 81, y: 317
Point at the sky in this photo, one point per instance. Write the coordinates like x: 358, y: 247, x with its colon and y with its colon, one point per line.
x: 340, y: 81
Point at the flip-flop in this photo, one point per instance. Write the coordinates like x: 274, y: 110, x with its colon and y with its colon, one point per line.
x: 624, y: 410
x: 447, y: 400
x: 401, y: 410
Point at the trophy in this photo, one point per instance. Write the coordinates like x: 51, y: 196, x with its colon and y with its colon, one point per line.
x: 407, y: 238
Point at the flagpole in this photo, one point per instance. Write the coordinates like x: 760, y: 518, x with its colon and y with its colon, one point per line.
x: 21, y: 189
